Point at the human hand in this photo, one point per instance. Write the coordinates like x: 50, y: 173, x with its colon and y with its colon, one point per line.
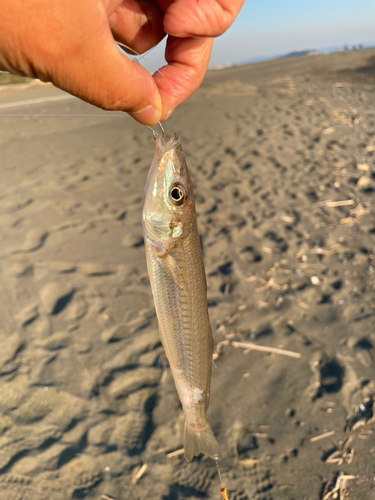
x: 71, y: 43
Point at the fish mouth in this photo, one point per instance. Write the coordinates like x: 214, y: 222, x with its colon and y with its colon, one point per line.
x: 161, y: 147
x: 164, y: 146
x: 167, y: 153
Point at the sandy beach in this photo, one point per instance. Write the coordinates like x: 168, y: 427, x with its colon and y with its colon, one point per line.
x: 281, y: 155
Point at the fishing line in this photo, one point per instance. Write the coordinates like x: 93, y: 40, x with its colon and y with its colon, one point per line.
x: 134, y: 59
x: 154, y: 133
x: 38, y: 115
x: 218, y: 471
x: 140, y: 56
x: 223, y: 489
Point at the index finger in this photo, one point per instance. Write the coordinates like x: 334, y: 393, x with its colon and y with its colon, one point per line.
x: 187, y: 60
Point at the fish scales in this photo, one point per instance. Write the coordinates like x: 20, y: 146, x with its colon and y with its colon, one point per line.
x: 178, y: 282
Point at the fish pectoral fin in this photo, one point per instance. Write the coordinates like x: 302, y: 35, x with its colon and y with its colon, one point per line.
x: 197, y: 441
x: 175, y: 270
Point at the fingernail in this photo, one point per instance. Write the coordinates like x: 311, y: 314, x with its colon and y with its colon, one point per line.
x: 168, y: 114
x: 148, y: 115
x: 179, y: 35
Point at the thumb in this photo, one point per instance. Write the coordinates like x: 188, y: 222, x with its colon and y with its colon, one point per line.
x: 101, y: 75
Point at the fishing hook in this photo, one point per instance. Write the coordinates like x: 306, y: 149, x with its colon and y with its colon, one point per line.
x: 155, y: 134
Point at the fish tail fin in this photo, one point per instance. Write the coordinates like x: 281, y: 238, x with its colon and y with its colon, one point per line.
x: 198, y: 441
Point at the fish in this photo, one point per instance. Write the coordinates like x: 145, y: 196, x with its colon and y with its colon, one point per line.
x: 178, y: 282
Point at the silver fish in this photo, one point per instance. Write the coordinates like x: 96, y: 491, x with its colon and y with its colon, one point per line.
x: 178, y: 282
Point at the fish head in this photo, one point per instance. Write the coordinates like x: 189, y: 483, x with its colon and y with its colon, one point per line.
x: 168, y: 204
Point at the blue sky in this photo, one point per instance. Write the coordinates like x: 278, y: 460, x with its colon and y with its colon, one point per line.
x: 271, y: 27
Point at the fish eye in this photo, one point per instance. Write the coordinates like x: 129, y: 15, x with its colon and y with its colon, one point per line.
x: 177, y: 194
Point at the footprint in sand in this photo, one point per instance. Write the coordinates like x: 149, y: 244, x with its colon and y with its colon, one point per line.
x: 129, y: 434
x: 55, y: 297
x: 47, y: 460
x: 81, y: 474
x: 193, y: 477
x: 134, y: 380
x: 15, y: 487
x: 28, y: 315
x: 99, y: 435
x: 96, y: 269
x: 251, y: 482
x: 55, y: 342
x: 328, y: 376
x: 9, y: 352
x: 35, y: 239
